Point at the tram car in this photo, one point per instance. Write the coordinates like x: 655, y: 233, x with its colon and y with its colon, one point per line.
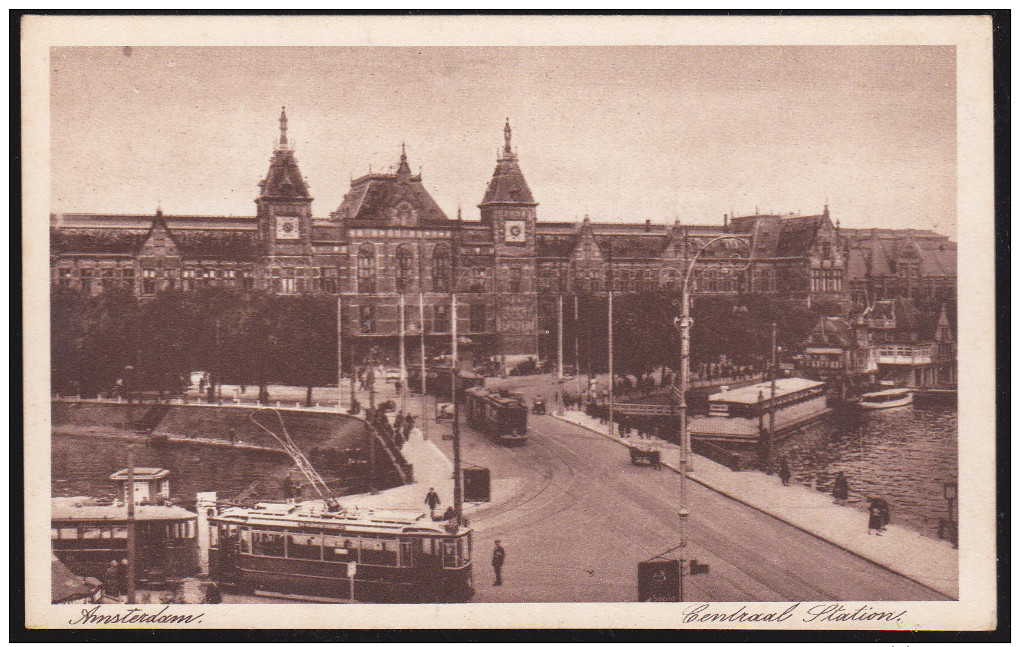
x: 438, y: 381
x: 380, y: 556
x: 87, y: 535
x: 504, y: 418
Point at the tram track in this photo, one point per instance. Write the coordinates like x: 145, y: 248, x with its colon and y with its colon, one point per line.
x: 753, y: 557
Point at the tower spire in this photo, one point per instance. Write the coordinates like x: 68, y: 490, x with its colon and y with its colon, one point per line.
x: 404, y: 168
x: 506, y: 136
x: 283, y: 127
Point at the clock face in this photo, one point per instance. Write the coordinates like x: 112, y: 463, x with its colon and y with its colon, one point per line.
x: 515, y: 231
x: 287, y: 228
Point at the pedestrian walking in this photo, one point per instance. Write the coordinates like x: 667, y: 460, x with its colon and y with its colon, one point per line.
x: 875, y: 517
x: 432, y: 500
x: 784, y: 471
x: 840, y: 489
x: 111, y: 580
x: 883, y: 508
x: 122, y: 580
x: 498, y: 557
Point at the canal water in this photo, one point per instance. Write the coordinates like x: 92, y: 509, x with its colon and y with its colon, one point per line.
x: 903, y: 455
x: 82, y: 466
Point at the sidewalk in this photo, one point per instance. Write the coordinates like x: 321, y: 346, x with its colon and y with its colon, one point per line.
x: 431, y: 469
x: 931, y: 562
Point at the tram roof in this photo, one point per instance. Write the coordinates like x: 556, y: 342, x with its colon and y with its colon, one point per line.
x: 76, y: 509
x: 392, y: 521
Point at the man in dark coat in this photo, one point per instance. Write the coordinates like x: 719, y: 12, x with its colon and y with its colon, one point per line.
x: 432, y: 500
x: 112, y: 579
x: 841, y: 489
x: 498, y: 557
x: 784, y: 471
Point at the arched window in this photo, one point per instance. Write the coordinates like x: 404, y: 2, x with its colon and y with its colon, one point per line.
x: 405, y: 268
x: 441, y: 268
x: 366, y: 269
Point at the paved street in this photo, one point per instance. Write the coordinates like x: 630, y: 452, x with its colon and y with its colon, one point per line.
x: 585, y: 516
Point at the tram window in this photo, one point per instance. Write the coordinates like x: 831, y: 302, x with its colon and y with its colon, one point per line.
x: 464, y: 545
x: 303, y: 546
x: 245, y: 545
x: 339, y: 549
x: 68, y: 533
x: 214, y: 536
x: 378, y: 551
x: 119, y: 532
x: 90, y: 532
x: 267, y: 543
x: 54, y: 533
x: 449, y: 553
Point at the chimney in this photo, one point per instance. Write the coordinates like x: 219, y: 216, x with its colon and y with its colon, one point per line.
x: 726, y: 222
x: 648, y: 225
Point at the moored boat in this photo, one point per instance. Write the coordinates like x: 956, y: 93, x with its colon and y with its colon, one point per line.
x: 886, y: 399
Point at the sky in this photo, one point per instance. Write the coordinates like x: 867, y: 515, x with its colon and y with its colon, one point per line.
x: 617, y: 133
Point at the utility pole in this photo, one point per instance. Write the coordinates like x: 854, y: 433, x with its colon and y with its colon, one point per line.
x: 559, y: 350
x: 577, y: 357
x: 458, y: 493
x: 612, y: 376
x: 612, y: 379
x: 340, y: 354
x: 772, y: 404
x: 403, y: 358
x: 685, y: 358
x: 131, y: 525
x: 424, y: 412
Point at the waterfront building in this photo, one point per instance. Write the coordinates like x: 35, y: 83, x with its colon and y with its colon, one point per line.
x: 911, y: 348
x: 389, y: 237
x: 889, y: 263
x: 840, y: 353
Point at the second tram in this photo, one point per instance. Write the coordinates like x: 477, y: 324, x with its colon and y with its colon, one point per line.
x: 503, y: 418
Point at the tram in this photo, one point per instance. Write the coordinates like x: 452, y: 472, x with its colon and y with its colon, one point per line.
x: 503, y: 418
x: 438, y: 381
x: 86, y: 535
x: 380, y: 556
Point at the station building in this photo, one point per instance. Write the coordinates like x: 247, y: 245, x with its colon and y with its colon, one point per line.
x: 389, y: 242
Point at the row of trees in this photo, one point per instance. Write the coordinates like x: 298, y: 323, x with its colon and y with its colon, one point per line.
x: 254, y: 338
x: 238, y: 337
x: 645, y: 337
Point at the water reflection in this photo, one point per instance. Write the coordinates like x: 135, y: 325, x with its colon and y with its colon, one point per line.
x: 903, y: 455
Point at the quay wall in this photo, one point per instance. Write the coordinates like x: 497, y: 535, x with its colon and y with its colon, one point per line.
x: 226, y: 427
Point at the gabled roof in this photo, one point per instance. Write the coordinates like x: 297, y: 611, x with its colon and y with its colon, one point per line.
x: 216, y: 244
x: 555, y: 246
x: 631, y: 246
x: 96, y: 241
x: 797, y: 235
x: 377, y: 197
x: 833, y: 330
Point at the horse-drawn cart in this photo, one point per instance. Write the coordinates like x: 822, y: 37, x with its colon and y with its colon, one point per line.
x: 644, y: 456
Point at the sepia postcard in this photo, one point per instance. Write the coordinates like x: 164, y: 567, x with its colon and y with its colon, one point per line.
x: 656, y: 322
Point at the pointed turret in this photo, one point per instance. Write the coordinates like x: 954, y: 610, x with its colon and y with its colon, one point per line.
x: 507, y: 185
x: 284, y: 179
x: 284, y: 204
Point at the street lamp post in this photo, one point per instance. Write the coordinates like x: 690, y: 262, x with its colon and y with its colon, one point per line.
x: 683, y: 323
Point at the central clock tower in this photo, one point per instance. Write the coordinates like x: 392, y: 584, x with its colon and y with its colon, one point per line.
x: 508, y: 208
x: 284, y: 215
